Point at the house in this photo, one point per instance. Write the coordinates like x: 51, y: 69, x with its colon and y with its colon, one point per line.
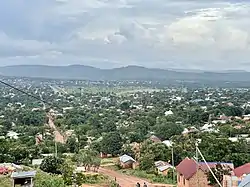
x: 194, y: 174
x: 189, y: 130
x: 155, y: 139
x: 242, y: 170
x: 168, y: 113
x: 126, y: 161
x: 208, y: 128
x: 12, y: 135
x: 37, y: 162
x: 246, y: 117
x: 23, y: 178
x: 168, y: 143
x: 163, y: 167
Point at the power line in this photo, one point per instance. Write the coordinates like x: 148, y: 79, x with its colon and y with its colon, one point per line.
x: 216, y: 179
x: 26, y: 93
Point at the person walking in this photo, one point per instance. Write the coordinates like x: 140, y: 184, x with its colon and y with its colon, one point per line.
x: 138, y: 184
x: 145, y: 185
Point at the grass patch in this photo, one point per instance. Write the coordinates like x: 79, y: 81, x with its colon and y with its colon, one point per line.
x: 107, y: 161
x: 83, y: 178
x: 113, y: 167
x: 5, y: 181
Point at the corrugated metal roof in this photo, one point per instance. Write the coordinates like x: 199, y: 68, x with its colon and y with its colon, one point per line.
x: 245, y: 182
x: 244, y: 169
x: 163, y: 168
x: 126, y: 158
x: 37, y: 161
x: 23, y: 174
x: 187, y: 168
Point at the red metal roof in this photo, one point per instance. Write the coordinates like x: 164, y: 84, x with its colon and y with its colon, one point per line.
x: 187, y: 168
x: 240, y: 171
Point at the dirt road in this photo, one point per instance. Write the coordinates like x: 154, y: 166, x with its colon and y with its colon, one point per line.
x: 58, y: 136
x: 128, y: 181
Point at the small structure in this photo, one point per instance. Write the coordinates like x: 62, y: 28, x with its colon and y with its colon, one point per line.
x: 168, y: 143
x: 37, y: 162
x: 24, y: 179
x: 168, y: 113
x: 162, y: 167
x: 12, y: 135
x: 189, y: 130
x: 193, y: 174
x: 155, y: 139
x: 126, y: 161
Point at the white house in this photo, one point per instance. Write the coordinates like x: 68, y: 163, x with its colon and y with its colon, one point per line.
x: 12, y: 135
x: 167, y: 113
x: 168, y: 143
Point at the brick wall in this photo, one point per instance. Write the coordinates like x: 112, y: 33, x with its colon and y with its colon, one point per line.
x: 197, y: 180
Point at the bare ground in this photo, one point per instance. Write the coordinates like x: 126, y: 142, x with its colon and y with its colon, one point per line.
x: 128, y: 181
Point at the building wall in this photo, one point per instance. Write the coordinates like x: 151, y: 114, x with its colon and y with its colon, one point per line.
x: 126, y: 165
x: 181, y: 182
x: 197, y: 180
x: 135, y: 165
x: 165, y: 172
x: 231, y: 181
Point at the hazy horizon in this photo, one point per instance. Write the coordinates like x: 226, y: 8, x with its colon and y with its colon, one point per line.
x: 124, y: 66
x: 167, y: 34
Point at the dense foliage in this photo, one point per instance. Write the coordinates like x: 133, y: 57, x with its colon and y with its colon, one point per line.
x: 112, y: 117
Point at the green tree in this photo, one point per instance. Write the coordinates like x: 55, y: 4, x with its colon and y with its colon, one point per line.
x: 88, y: 159
x: 52, y: 164
x: 72, y: 144
x: 218, y: 171
x: 125, y: 105
x: 112, y: 143
x: 151, y: 152
x: 147, y: 162
x: 67, y: 169
x: 166, y: 130
x: 47, y: 180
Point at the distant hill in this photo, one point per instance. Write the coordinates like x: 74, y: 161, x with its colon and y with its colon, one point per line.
x: 123, y: 73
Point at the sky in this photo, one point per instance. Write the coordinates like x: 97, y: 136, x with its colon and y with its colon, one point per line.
x: 181, y: 34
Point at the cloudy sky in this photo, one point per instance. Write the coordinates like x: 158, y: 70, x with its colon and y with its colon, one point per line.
x: 198, y: 34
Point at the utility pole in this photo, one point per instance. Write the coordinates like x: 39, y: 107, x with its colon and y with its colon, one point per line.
x: 199, y: 152
x: 197, y: 161
x: 55, y: 149
x: 172, y: 150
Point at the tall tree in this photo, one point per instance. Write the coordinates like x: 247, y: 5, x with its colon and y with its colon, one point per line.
x: 112, y: 143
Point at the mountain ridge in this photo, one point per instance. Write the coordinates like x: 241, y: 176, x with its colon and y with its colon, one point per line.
x: 130, y: 72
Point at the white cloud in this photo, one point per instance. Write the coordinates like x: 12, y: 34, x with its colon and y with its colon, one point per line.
x: 153, y: 33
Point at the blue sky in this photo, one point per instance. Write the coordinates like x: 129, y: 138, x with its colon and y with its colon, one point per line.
x: 198, y: 34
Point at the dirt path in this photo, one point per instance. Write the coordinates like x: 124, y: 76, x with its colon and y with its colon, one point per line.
x: 128, y: 181
x: 58, y: 137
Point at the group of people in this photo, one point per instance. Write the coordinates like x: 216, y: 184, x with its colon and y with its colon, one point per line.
x: 137, y: 184
x: 144, y: 185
